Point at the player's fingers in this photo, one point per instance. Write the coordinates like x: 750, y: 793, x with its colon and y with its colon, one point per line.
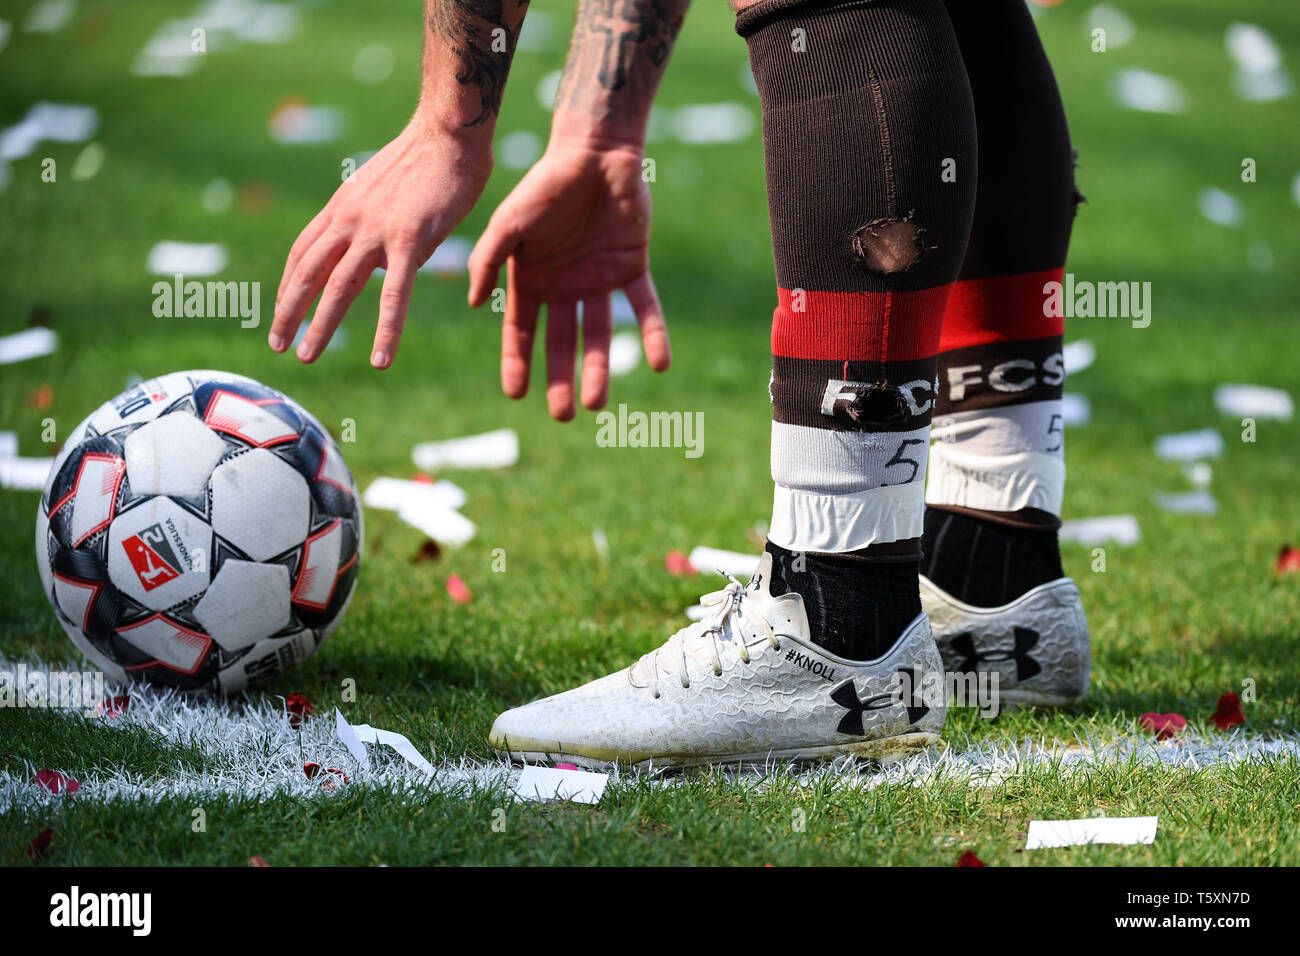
x: 597, y: 328
x: 561, y: 351
x: 310, y: 233
x: 517, y: 334
x: 650, y: 316
x: 394, y: 300
x: 345, y: 284
x: 308, y: 278
x: 493, y: 248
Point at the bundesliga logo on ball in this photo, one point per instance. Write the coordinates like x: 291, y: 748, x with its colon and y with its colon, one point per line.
x: 199, y: 531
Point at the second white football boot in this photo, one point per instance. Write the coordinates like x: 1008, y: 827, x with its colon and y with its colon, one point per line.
x: 746, y: 684
x: 1038, y: 644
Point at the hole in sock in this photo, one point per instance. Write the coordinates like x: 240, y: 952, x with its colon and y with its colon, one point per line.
x: 890, y: 245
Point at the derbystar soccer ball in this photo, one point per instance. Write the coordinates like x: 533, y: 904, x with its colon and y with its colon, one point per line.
x: 199, y: 531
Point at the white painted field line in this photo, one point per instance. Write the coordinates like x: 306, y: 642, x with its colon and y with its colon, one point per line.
x: 253, y: 752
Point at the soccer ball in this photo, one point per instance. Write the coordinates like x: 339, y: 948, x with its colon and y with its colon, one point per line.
x: 199, y: 531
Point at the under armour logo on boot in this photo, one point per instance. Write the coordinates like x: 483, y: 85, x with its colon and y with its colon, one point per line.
x: 1026, y: 666
x: 846, y: 695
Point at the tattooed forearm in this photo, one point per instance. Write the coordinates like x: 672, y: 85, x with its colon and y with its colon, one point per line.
x: 619, y: 47
x: 482, y: 35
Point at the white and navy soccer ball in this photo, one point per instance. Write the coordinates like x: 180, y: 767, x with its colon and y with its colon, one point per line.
x: 199, y: 531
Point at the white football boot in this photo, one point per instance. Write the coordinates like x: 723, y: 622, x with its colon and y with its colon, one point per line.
x: 1038, y: 644
x: 746, y: 684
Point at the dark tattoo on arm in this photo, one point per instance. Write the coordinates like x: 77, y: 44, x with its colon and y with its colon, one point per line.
x: 478, y: 34
x: 620, y: 45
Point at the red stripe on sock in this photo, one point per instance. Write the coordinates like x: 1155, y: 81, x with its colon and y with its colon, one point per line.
x: 999, y: 309
x: 859, y: 326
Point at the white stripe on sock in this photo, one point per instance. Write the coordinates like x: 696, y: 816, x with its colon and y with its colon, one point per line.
x: 807, y: 521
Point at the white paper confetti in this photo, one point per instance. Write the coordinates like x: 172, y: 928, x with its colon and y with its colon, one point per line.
x: 1056, y: 833
x: 350, y: 740
x: 624, y: 353
x: 50, y: 16
x: 373, y: 64
x: 1117, y: 529
x: 601, y: 543
x: 1263, y: 87
x: 445, y: 525
x: 624, y: 314
x: 1078, y: 355
x: 299, y: 124
x: 58, y: 122
x: 1220, y: 208
x: 1119, y: 28
x: 708, y: 560
x: 24, y: 474
x: 520, y: 149
x: 217, y: 196
x: 88, y: 163
x: 1190, y: 446
x: 496, y: 449
x: 1199, y: 502
x: 547, y: 87
x: 1199, y: 473
x: 27, y: 344
x: 170, y: 258
x: 552, y: 783
x: 1076, y: 410
x: 170, y: 50
x: 712, y: 123
x: 365, y: 734
x: 1148, y: 92
x: 1252, y: 48
x: 390, y: 494
x: 449, y: 259
x: 1254, y: 401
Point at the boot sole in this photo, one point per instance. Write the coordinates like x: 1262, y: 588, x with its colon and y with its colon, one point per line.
x: 884, y: 750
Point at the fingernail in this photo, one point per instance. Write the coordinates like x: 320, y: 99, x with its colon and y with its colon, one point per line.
x: 379, y: 359
x: 276, y: 343
x: 304, y: 351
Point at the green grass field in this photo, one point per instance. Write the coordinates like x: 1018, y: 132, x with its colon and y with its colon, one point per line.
x: 1191, y: 611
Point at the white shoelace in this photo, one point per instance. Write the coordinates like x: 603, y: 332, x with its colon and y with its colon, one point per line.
x: 730, y: 600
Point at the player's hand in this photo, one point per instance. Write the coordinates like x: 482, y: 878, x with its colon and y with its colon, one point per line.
x: 392, y: 214
x: 575, y: 229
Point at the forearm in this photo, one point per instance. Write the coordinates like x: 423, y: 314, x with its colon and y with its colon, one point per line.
x: 616, y: 60
x: 468, y: 47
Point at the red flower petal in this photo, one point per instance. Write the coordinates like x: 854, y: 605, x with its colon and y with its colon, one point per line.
x: 566, y: 766
x: 422, y: 478
x: 679, y: 564
x: 459, y: 590
x: 257, y: 861
x: 115, y: 706
x: 310, y: 769
x: 328, y: 783
x: 40, y: 844
x: 56, y: 782
x: 969, y: 859
x: 1228, y: 713
x: 1164, y: 726
x: 1288, y: 559
x: 298, y: 707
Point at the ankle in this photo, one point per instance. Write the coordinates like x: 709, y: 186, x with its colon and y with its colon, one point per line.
x: 857, y: 606
x: 988, y: 559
